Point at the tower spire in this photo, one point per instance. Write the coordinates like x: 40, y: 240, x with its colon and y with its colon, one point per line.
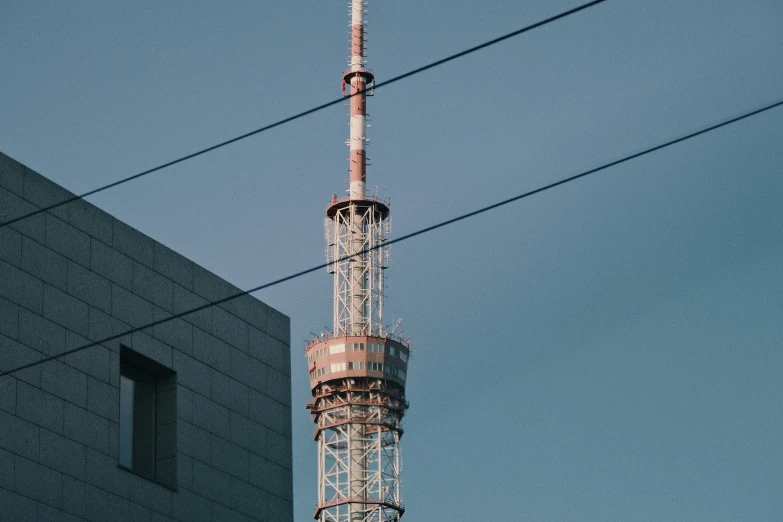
x: 358, y: 79
x: 358, y: 372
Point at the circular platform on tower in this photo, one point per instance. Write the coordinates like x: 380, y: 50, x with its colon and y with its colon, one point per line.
x: 359, y: 357
x: 339, y: 203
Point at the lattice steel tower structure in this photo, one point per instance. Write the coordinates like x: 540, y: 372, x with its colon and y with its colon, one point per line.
x: 358, y: 371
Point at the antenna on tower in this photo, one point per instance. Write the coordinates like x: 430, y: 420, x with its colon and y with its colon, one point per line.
x: 397, y: 324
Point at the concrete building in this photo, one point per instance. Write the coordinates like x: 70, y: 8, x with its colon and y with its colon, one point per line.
x: 189, y: 420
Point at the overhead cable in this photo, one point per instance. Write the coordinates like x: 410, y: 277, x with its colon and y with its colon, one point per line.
x: 411, y: 235
x: 307, y: 112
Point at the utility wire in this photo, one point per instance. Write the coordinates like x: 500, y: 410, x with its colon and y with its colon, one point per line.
x: 412, y: 234
x: 308, y: 112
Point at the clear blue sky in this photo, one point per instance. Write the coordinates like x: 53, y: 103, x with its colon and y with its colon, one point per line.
x: 609, y: 350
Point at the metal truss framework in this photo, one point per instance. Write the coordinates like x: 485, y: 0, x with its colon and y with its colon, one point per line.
x: 358, y: 437
x: 355, y: 238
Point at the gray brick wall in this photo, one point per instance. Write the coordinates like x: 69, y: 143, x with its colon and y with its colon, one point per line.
x: 76, y: 274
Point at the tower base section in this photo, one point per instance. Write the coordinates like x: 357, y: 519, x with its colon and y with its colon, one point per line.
x: 358, y: 433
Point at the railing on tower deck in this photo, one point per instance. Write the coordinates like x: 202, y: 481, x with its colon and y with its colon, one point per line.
x: 326, y: 390
x: 328, y: 336
x: 383, y: 502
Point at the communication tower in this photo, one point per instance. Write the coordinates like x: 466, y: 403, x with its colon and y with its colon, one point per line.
x: 358, y: 371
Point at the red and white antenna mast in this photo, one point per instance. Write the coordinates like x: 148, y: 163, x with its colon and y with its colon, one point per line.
x: 360, y: 79
x: 358, y: 371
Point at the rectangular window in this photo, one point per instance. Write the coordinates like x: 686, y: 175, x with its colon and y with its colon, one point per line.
x: 337, y: 348
x: 127, y: 391
x: 148, y: 418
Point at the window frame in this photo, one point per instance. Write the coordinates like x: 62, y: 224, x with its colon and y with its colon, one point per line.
x: 156, y: 386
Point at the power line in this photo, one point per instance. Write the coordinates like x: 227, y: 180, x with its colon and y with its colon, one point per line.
x: 309, y: 111
x: 413, y: 234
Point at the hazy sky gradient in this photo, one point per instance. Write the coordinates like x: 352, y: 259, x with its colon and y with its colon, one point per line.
x: 609, y: 350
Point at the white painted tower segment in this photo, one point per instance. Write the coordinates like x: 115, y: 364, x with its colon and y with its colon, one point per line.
x: 358, y: 371
x: 358, y: 142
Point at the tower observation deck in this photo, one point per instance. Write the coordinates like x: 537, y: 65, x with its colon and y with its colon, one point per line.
x: 358, y: 371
